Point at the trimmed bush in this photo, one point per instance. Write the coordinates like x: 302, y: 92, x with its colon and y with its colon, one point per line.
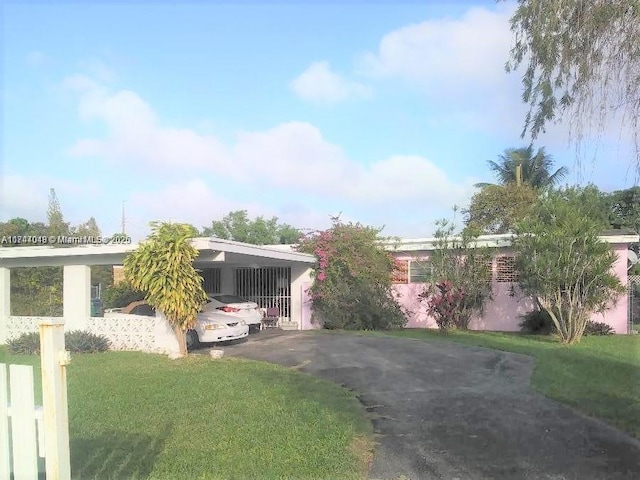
x: 597, y: 328
x: 76, y: 342
x: 538, y: 322
x: 85, y: 342
x: 25, y: 344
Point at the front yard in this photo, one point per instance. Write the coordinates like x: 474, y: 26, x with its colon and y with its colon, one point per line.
x: 139, y: 416
x: 600, y: 376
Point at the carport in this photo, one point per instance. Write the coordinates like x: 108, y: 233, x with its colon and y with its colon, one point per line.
x: 275, y: 275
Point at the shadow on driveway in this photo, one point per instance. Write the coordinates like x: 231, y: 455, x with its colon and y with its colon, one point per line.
x: 447, y: 411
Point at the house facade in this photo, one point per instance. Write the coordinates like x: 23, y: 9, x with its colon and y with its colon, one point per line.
x: 504, y: 311
x: 271, y: 276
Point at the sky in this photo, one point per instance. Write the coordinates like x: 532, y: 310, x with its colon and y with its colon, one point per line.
x: 383, y: 112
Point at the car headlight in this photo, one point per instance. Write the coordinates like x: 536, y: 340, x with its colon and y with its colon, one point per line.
x: 218, y: 326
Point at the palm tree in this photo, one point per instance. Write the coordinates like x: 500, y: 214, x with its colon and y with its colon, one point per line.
x: 534, y: 169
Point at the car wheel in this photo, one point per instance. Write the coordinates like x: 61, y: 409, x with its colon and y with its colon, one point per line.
x: 192, y: 339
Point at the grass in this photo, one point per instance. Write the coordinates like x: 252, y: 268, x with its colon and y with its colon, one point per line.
x: 143, y: 416
x: 600, y: 376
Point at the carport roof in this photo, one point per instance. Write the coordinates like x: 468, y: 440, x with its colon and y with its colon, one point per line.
x: 211, y: 250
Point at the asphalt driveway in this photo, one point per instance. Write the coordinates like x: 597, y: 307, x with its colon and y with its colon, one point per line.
x: 447, y: 411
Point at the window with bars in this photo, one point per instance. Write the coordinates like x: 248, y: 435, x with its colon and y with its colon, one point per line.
x: 506, y: 269
x: 400, y: 272
x: 420, y: 271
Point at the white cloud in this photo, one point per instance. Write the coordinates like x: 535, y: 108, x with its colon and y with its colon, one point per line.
x: 446, y: 54
x: 292, y: 156
x: 319, y: 84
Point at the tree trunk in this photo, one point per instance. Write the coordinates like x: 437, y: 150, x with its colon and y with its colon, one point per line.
x: 182, y: 340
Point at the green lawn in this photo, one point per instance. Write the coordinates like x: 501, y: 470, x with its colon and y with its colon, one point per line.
x: 135, y: 416
x: 600, y: 376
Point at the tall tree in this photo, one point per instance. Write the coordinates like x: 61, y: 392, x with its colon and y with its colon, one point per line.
x: 162, y: 267
x: 535, y: 168
x: 563, y: 264
x: 89, y: 229
x: 238, y: 226
x: 497, y: 208
x: 625, y: 208
x: 56, y: 224
x: 582, y: 61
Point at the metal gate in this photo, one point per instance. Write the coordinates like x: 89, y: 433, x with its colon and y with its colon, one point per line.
x: 211, y: 279
x: 633, y: 301
x: 267, y: 286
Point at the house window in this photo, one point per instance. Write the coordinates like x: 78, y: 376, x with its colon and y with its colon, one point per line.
x: 506, y: 269
x: 420, y: 271
x: 400, y: 271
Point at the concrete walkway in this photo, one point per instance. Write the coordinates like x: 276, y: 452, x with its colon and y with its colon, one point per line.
x: 446, y: 411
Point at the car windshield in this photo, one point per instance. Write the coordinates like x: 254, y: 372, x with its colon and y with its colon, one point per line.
x: 228, y: 299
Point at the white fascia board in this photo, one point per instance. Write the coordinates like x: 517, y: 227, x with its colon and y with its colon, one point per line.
x: 264, y: 251
x: 492, y: 241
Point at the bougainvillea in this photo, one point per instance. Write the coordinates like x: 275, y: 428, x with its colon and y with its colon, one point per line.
x: 352, y: 288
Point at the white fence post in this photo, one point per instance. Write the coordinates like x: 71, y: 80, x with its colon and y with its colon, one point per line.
x: 5, y: 456
x: 54, y: 359
x: 23, y: 425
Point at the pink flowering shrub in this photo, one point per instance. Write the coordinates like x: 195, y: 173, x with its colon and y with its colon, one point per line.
x: 462, y: 278
x: 352, y: 288
x: 445, y: 303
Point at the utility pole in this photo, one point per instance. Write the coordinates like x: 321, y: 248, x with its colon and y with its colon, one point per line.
x: 519, y: 175
x: 123, y: 218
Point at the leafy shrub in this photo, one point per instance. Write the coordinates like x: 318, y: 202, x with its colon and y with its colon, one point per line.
x: 76, y: 341
x: 25, y: 344
x: 85, y: 342
x: 444, y: 303
x: 120, y: 295
x: 597, y: 328
x: 537, y: 321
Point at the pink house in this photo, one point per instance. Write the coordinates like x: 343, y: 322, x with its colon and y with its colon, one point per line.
x: 508, y: 304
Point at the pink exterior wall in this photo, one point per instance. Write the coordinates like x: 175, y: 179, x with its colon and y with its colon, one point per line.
x: 617, y: 315
x: 501, y: 314
x: 504, y: 311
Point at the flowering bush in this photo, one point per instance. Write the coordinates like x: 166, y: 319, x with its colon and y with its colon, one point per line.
x: 462, y: 274
x: 445, y: 303
x: 353, y: 279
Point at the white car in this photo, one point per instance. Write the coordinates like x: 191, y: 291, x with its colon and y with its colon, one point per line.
x: 211, y: 326
x: 236, y: 307
x: 215, y: 327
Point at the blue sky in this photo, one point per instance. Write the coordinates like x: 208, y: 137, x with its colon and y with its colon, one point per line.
x: 382, y: 111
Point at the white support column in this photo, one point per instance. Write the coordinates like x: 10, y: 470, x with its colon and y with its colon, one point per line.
x: 300, y: 274
x: 5, y: 301
x: 77, y: 296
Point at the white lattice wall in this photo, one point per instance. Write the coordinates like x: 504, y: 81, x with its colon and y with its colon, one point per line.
x: 127, y: 332
x: 16, y: 326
